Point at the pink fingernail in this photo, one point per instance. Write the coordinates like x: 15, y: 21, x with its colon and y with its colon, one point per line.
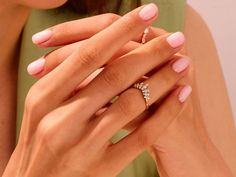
x: 185, y: 93
x: 36, y: 66
x: 42, y: 36
x: 176, y: 40
x: 180, y: 65
x: 148, y: 12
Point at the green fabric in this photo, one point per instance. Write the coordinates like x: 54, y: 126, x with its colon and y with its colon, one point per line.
x: 171, y: 18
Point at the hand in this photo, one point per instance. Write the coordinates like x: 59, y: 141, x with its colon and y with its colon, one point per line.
x: 185, y: 142
x: 62, y: 132
x: 185, y: 148
x: 72, y: 36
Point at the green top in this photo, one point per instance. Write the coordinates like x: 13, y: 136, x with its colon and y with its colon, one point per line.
x: 171, y: 18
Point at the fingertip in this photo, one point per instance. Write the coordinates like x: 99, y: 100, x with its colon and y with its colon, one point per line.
x: 36, y: 66
x: 180, y: 65
x: 176, y: 40
x: 41, y: 37
x: 184, y: 93
x: 148, y: 12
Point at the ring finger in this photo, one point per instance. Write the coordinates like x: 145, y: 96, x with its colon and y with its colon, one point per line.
x: 131, y: 102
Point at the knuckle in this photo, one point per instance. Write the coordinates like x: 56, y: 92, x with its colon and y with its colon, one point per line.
x: 110, y: 18
x: 44, y: 132
x: 59, y: 29
x: 159, y: 51
x: 89, y: 55
x: 113, y: 77
x: 46, y: 136
x: 129, y: 23
x: 33, y: 101
x: 127, y: 104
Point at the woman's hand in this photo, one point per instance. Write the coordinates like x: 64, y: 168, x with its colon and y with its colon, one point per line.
x: 61, y: 134
x: 184, y: 148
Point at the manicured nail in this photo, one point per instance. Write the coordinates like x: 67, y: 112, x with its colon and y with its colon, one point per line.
x: 148, y: 12
x: 42, y: 36
x: 176, y: 39
x: 36, y: 66
x: 185, y: 93
x: 180, y: 65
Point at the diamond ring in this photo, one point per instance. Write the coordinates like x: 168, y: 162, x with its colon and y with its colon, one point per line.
x: 144, y: 88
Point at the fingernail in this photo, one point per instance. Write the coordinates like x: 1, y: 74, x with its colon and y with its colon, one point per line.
x: 176, y: 39
x: 148, y: 12
x: 42, y: 36
x: 36, y: 66
x: 180, y: 65
x: 185, y: 93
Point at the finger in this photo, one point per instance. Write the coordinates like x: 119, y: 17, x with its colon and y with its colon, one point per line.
x: 147, y: 134
x: 132, y: 67
x: 131, y: 103
x: 73, y: 31
x: 117, y: 77
x: 55, y: 58
x: 70, y: 32
x: 101, y: 90
x: 90, y: 56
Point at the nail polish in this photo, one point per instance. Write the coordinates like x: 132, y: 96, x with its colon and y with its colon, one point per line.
x: 185, y: 93
x: 176, y: 39
x: 180, y: 65
x: 42, y: 36
x: 36, y: 66
x: 148, y: 12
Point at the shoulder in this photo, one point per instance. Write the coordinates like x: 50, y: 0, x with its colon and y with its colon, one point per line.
x: 199, y: 37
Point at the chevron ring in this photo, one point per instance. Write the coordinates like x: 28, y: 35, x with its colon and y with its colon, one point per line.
x: 145, y: 92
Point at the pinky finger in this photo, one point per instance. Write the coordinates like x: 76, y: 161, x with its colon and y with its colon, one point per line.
x: 147, y: 134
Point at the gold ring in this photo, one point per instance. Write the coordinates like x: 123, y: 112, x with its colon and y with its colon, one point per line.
x: 145, y: 33
x: 144, y: 88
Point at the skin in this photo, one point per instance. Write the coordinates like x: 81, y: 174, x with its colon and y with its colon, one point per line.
x: 61, y: 37
x: 217, y: 115
x: 217, y: 136
x: 38, y: 134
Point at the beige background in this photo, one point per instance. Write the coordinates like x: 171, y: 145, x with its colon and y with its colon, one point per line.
x: 221, y: 18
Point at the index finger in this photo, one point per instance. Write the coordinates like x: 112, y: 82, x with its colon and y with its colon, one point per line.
x: 70, y: 32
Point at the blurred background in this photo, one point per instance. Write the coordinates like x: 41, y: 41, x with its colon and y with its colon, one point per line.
x: 221, y: 18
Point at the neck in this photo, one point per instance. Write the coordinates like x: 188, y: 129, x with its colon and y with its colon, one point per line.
x: 12, y: 20
x: 92, y: 7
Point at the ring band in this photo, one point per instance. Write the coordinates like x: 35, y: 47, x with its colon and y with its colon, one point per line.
x: 144, y: 88
x: 145, y: 33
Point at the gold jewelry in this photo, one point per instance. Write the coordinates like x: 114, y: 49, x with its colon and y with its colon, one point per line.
x: 145, y: 33
x: 144, y: 88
